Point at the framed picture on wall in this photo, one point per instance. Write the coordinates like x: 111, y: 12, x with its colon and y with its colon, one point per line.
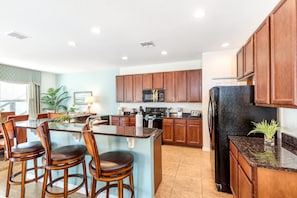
x: 79, y: 97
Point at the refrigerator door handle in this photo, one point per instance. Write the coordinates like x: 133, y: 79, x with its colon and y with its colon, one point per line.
x: 210, y: 117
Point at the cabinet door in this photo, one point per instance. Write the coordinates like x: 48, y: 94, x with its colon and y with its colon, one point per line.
x: 120, y: 88
x: 180, y: 78
x: 132, y: 121
x: 115, y: 120
x: 249, y: 57
x: 283, y: 54
x: 233, y: 175
x: 137, y: 82
x: 180, y: 131
x: 147, y: 80
x: 194, y: 133
x: 194, y: 85
x: 240, y: 62
x: 128, y: 87
x: 124, y: 121
x: 262, y: 64
x: 158, y: 80
x: 169, y: 86
x: 167, y: 128
x: 245, y: 186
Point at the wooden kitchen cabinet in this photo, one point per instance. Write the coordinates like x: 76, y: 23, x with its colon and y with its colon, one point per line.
x: 240, y: 63
x: 137, y: 85
x: 169, y: 86
x: 180, y: 83
x: 147, y: 81
x: 283, y: 54
x: 128, y: 88
x: 233, y: 171
x: 194, y: 85
x: 180, y: 131
x: 120, y: 120
x: 158, y: 80
x: 248, y: 68
x: 262, y: 63
x: 194, y: 132
x: 120, y: 88
x: 167, y: 135
x: 245, y: 189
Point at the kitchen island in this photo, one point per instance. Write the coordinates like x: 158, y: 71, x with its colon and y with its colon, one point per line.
x: 143, y: 143
x: 257, y: 170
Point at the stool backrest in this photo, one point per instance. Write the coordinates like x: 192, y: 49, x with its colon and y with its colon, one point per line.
x: 42, y: 115
x: 5, y: 114
x: 45, y: 139
x: 18, y: 118
x: 92, y: 148
x: 9, y: 133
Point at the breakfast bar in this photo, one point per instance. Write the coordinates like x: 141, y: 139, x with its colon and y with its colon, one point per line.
x: 143, y: 143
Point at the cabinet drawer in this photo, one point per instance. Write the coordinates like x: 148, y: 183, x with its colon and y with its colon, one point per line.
x: 180, y: 121
x: 233, y: 150
x: 167, y: 121
x: 245, y: 166
x: 194, y: 122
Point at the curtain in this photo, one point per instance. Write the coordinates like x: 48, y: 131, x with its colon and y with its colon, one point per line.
x: 33, y: 91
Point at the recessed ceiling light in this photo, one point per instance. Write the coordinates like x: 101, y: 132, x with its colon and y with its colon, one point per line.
x: 71, y: 43
x: 125, y: 58
x: 199, y: 13
x: 164, y: 52
x: 225, y: 44
x: 95, y: 30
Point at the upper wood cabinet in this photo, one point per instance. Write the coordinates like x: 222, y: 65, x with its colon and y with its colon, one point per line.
x: 283, y: 54
x: 180, y: 82
x: 137, y: 82
x: 147, y: 81
x: 179, y: 86
x: 249, y: 57
x: 158, y: 80
x: 169, y: 86
x: 194, y: 86
x: 128, y: 88
x: 120, y: 88
x: 240, y: 63
x: 262, y: 63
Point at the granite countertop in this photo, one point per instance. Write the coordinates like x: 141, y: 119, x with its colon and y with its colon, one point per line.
x: 282, y: 156
x: 172, y: 116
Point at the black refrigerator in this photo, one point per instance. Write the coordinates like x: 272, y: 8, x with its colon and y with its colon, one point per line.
x: 231, y: 111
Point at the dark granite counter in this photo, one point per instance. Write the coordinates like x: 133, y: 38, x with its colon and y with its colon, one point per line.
x: 282, y: 156
x: 124, y: 131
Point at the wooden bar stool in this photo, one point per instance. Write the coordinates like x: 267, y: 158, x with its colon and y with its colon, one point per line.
x: 109, y: 167
x: 61, y: 158
x: 19, y: 152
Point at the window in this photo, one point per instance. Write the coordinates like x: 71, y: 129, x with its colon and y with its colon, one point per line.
x: 13, y: 97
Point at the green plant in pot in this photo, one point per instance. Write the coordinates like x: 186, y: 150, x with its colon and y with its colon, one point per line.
x: 55, y: 99
x: 268, y: 129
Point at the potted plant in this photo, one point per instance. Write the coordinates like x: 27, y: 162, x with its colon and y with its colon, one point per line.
x: 55, y: 99
x: 268, y: 129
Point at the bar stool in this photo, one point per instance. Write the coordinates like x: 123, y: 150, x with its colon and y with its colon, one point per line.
x: 19, y: 152
x: 61, y: 158
x: 109, y: 167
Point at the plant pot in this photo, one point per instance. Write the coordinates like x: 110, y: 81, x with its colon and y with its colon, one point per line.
x: 269, y: 141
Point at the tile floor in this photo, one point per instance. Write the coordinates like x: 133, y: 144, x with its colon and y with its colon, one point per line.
x: 187, y: 172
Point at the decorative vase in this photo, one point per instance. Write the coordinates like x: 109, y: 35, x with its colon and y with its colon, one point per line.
x: 269, y: 141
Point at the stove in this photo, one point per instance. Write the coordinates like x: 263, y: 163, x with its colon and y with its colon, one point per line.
x: 154, y: 114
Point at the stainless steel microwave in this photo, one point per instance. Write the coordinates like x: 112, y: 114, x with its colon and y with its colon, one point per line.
x: 153, y: 95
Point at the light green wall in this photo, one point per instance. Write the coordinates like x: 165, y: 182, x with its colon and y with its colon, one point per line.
x: 101, y: 83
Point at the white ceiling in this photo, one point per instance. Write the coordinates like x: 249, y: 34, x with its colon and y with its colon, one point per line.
x: 170, y: 24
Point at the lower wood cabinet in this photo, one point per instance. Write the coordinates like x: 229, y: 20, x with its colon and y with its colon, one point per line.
x: 123, y: 120
x: 186, y: 132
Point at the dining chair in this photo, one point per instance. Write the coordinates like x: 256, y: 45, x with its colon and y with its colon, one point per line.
x: 113, y: 166
x: 19, y: 152
x: 61, y: 158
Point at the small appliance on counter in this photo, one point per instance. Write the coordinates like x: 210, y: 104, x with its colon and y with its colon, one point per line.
x: 195, y: 113
x: 179, y: 112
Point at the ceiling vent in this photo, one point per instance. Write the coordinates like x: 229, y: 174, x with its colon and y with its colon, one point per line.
x: 17, y: 35
x: 147, y: 44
